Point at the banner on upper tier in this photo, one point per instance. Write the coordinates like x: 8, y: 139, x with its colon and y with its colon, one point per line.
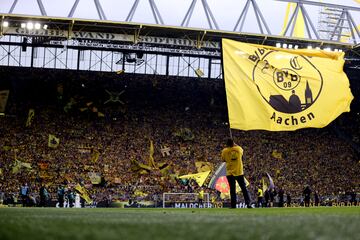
x: 53, y: 141
x: 278, y: 89
x: 104, y: 36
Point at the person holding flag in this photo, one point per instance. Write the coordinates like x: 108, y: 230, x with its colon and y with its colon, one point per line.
x: 232, y: 155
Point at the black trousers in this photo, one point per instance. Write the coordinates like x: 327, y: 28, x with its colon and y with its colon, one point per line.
x: 260, y: 202
x: 232, y: 183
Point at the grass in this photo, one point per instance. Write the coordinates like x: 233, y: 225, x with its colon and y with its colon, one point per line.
x: 203, y: 224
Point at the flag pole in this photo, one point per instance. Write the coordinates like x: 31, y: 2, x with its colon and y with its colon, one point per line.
x: 223, y: 74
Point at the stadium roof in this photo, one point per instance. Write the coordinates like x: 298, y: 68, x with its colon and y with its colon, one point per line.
x: 154, y: 30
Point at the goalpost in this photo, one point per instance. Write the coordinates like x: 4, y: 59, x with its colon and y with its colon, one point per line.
x: 185, y: 200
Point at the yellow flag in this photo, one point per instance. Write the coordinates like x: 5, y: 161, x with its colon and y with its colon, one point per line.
x: 198, y: 177
x: 100, y: 114
x: 202, y: 166
x: 277, y: 89
x: 30, y: 117
x: 151, y: 156
x: 264, y: 185
x: 18, y: 165
x: 139, y: 193
x: 94, y: 177
x: 276, y: 154
x: 238, y: 189
x: 299, y: 22
x: 95, y: 155
x: 4, y: 95
x: 83, y: 193
x: 53, y: 141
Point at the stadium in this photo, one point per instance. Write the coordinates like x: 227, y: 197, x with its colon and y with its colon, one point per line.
x: 117, y: 128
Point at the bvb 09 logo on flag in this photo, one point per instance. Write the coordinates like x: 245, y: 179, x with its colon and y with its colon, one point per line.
x: 280, y: 89
x: 291, y: 88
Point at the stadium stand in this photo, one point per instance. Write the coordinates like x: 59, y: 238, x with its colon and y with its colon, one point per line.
x: 104, y: 123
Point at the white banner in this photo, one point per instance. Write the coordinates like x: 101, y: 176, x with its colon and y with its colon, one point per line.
x: 109, y: 37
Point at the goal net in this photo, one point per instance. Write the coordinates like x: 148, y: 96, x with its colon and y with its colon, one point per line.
x: 185, y: 200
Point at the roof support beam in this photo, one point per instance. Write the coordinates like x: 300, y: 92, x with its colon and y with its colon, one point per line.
x: 307, y: 21
x: 321, y: 4
x: 71, y: 13
x: 353, y: 24
x: 132, y: 11
x: 338, y: 27
x: 209, y: 15
x: 259, y: 17
x: 100, y: 10
x: 188, y: 14
x: 351, y: 29
x: 242, y: 18
x: 307, y: 18
x: 41, y: 7
x: 13, y: 6
x: 156, y: 12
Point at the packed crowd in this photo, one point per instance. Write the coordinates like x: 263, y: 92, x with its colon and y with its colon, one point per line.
x: 105, y: 123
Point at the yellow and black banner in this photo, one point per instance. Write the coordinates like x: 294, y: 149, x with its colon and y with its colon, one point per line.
x: 53, y: 141
x: 278, y: 89
x: 4, y: 95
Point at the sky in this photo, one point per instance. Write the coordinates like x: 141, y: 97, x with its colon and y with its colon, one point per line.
x: 226, y: 12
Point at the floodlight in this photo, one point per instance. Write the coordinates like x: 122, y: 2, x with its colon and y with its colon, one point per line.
x: 29, y: 25
x: 37, y: 25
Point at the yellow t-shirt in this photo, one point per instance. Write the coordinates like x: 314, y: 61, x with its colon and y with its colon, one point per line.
x: 201, y: 194
x: 233, y: 158
x: 260, y: 193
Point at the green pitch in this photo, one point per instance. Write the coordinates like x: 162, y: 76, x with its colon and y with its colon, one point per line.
x: 201, y: 224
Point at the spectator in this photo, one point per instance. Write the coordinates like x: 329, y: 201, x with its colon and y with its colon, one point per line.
x: 281, y: 197
x: 316, y: 199
x: 24, y: 193
x: 288, y: 200
x: 61, y: 196
x: 44, y: 196
x: 260, y: 196
x: 157, y: 112
x: 307, y: 195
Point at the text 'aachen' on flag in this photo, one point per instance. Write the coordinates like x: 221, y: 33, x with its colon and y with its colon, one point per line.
x: 269, y: 88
